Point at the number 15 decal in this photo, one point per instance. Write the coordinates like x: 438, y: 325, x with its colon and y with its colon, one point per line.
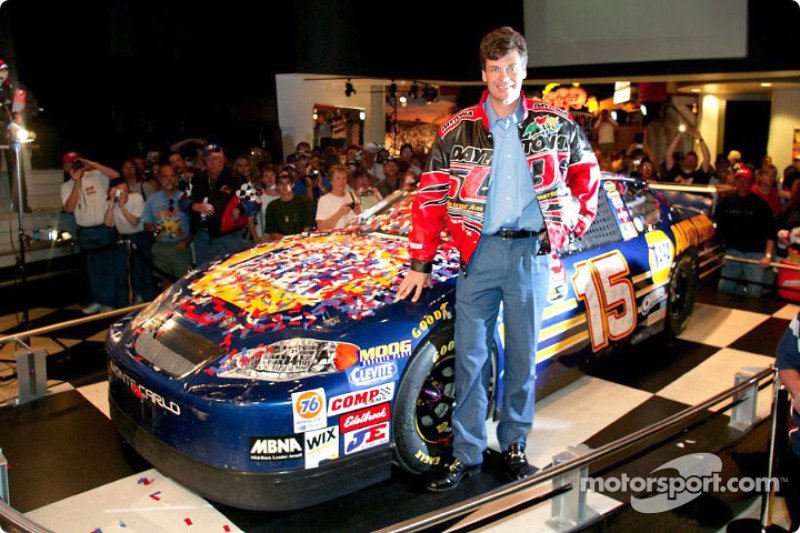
x: 602, y: 284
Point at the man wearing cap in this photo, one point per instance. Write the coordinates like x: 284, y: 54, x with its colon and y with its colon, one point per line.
x: 84, y: 193
x: 17, y: 104
x: 510, y: 177
x: 290, y: 213
x: 747, y: 228
x: 221, y: 203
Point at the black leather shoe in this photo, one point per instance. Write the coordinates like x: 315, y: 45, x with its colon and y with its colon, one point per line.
x: 515, y: 464
x: 449, y: 476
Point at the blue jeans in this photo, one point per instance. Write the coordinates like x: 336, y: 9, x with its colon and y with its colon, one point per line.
x: 507, y: 271
x: 141, y: 273
x: 98, y: 243
x: 745, y: 277
x: 207, y: 247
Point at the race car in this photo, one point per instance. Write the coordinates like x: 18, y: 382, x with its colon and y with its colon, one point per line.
x: 287, y: 374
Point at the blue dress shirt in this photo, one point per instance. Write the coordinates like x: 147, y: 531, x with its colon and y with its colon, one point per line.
x: 512, y: 202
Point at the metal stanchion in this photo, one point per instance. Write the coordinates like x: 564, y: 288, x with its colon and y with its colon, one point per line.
x: 4, y: 495
x: 569, y: 509
x: 762, y: 525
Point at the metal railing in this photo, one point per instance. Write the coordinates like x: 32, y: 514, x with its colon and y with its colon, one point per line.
x: 456, y: 511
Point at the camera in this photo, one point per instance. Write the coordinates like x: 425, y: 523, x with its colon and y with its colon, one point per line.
x: 314, y: 174
x: 118, y: 193
x: 76, y: 165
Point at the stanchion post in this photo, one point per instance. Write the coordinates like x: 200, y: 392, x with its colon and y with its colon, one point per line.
x: 569, y: 509
x: 744, y: 413
x: 767, y: 501
x: 4, y: 495
x: 31, y: 375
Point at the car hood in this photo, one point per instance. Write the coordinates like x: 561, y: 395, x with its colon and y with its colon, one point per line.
x: 318, y: 281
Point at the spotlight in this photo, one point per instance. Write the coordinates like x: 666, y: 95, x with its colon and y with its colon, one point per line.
x: 643, y: 109
x: 613, y: 116
x: 362, y: 115
x: 403, y: 100
x: 20, y: 134
x: 315, y: 115
x: 682, y: 128
x: 348, y: 89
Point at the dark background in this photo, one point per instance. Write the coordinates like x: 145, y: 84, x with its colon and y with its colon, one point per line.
x: 122, y: 76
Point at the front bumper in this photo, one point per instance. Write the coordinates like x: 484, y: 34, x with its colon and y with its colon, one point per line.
x: 267, y: 491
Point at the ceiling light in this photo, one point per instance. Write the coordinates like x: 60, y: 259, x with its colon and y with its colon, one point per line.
x: 766, y: 84
x: 696, y: 90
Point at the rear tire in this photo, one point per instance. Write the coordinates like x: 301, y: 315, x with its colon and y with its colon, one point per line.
x: 682, y: 292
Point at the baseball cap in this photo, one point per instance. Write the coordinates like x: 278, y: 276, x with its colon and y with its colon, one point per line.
x: 3, y: 65
x: 212, y: 148
x: 371, y: 147
x: 302, y: 155
x: 744, y: 172
x: 70, y: 157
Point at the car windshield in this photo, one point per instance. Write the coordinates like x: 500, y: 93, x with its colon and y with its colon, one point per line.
x: 392, y: 215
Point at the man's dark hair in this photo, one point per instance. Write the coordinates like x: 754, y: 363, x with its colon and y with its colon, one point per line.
x: 283, y: 175
x: 501, y: 42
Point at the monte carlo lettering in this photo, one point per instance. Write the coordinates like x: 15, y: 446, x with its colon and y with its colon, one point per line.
x: 276, y: 448
x: 469, y: 154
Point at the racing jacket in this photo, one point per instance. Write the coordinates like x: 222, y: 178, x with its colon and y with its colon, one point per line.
x: 454, y: 187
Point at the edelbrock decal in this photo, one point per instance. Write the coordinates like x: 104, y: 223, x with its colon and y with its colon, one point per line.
x: 365, y: 417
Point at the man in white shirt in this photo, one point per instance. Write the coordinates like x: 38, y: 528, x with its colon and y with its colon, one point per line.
x: 339, y: 207
x: 124, y: 212
x: 84, y: 194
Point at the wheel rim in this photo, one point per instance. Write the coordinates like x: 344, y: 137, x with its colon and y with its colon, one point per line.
x: 435, y: 403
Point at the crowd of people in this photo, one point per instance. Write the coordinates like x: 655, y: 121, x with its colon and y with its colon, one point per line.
x: 144, y: 226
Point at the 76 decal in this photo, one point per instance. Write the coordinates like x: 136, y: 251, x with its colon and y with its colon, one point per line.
x: 602, y: 284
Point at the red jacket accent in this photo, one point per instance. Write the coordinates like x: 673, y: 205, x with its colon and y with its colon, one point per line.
x: 453, y: 189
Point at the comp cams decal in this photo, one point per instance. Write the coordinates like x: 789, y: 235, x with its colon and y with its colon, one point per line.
x: 366, y: 438
x: 308, y: 410
x: 365, y: 417
x: 321, y: 445
x: 352, y: 401
x: 276, y: 448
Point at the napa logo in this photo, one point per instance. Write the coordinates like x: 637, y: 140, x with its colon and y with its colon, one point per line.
x: 369, y: 375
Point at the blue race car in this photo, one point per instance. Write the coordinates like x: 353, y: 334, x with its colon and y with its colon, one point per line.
x: 287, y: 375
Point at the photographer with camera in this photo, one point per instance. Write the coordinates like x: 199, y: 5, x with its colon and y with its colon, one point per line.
x: 124, y: 212
x: 367, y: 194
x: 339, y: 207
x: 84, y: 194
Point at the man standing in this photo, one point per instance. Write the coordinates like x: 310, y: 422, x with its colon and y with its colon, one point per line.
x: 221, y: 203
x: 507, y: 176
x: 391, y: 178
x: 290, y: 213
x: 162, y: 217
x: 182, y: 170
x: 84, y: 193
x: 747, y: 229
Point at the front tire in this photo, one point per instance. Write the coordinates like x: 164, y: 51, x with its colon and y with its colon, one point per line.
x: 425, y: 401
